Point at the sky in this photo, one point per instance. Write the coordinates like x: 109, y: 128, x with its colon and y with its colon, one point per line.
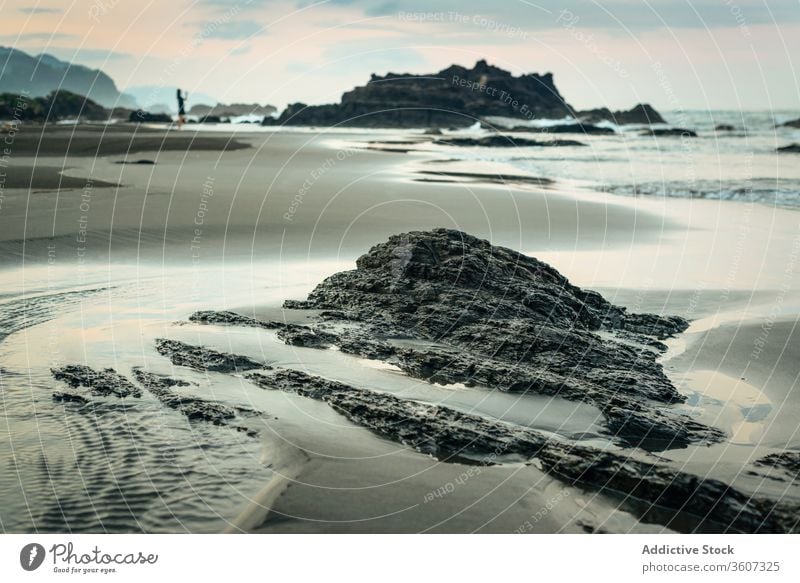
x: 674, y: 54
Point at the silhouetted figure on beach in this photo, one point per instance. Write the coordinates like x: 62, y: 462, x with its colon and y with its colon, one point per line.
x: 182, y: 97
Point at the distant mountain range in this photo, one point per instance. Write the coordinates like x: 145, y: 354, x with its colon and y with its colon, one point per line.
x: 41, y: 75
x: 38, y: 76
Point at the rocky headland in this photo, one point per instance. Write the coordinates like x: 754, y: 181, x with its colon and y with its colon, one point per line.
x: 454, y: 97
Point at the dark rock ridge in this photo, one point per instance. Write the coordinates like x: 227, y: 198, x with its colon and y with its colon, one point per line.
x: 232, y: 318
x: 644, y: 113
x: 292, y: 334
x: 680, y: 132
x: 204, y: 359
x: 140, y: 116
x: 492, y: 317
x: 494, y: 178
x: 650, y: 489
x: 724, y: 127
x: 110, y: 383
x: 502, y: 141
x: 567, y: 128
x: 99, y: 382
x: 790, y: 149
x: 65, y: 397
x: 162, y: 388
x: 788, y: 461
x: 142, y: 162
x: 795, y: 123
x: 454, y: 97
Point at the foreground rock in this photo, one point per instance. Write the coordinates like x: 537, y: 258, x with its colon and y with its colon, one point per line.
x: 99, y: 382
x: 654, y: 492
x: 204, y: 359
x: 790, y: 149
x: 450, y: 308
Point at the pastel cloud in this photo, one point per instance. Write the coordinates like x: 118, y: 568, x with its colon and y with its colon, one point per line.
x: 721, y: 54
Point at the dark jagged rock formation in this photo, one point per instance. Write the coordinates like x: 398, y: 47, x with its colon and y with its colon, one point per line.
x: 99, y: 382
x: 788, y: 461
x: 655, y: 492
x: 162, y: 388
x: 683, y: 133
x: 495, y: 178
x: 501, y: 141
x: 292, y: 334
x: 142, y: 162
x: 64, y: 397
x: 502, y: 320
x: 234, y: 319
x: 204, y: 359
x: 567, y: 128
x: 140, y: 116
x: 644, y: 113
x: 307, y: 336
x: 453, y: 97
x: 790, y: 149
x: 795, y: 123
x: 724, y: 127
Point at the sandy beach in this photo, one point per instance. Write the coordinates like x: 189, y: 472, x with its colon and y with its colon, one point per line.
x: 105, y: 256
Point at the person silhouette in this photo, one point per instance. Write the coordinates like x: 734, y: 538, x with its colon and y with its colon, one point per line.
x: 182, y: 97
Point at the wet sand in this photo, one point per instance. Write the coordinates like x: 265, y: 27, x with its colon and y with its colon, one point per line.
x: 221, y: 227
x: 83, y: 141
x: 291, y: 195
x: 42, y: 177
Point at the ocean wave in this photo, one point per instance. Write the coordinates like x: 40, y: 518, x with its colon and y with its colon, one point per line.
x: 783, y: 193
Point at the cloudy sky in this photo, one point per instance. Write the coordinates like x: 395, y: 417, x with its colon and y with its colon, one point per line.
x: 675, y: 54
